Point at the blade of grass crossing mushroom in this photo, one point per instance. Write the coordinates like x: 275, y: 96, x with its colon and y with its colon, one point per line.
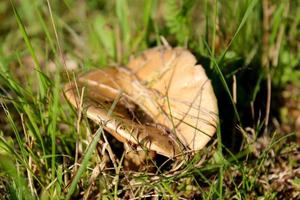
x: 114, y: 104
x: 199, y: 109
x: 174, y: 127
x: 170, y: 113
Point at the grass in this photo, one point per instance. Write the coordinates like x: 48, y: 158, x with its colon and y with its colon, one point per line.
x: 50, y: 151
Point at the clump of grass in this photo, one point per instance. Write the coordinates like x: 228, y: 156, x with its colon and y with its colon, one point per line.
x: 50, y: 151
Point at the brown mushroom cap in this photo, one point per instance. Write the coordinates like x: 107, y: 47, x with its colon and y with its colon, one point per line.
x: 163, y: 82
x: 102, y: 88
x: 183, y: 91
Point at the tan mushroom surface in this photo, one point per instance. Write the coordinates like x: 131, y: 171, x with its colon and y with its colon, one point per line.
x: 174, y: 94
x: 102, y: 89
x: 183, y: 91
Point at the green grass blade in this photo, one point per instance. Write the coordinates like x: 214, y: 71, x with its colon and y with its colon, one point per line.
x: 19, y: 185
x: 41, y: 79
x: 11, y: 122
x: 122, y: 13
x: 244, y: 19
x: 54, y: 113
x: 223, y: 80
x: 105, y: 36
x: 85, y: 161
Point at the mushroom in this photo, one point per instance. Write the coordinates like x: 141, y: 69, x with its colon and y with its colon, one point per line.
x: 162, y: 101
